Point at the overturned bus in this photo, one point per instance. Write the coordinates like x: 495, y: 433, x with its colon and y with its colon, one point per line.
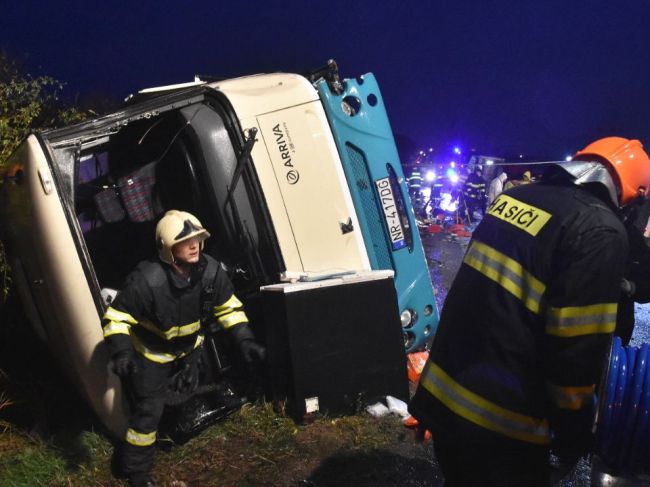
x: 297, y: 178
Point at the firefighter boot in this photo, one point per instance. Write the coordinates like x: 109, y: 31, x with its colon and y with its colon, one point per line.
x: 141, y: 480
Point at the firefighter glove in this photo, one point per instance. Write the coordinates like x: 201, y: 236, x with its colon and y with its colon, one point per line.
x: 251, y: 351
x: 123, y: 363
x: 186, y: 380
x: 628, y: 287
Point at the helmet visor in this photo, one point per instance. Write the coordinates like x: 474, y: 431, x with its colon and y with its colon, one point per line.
x: 190, y: 230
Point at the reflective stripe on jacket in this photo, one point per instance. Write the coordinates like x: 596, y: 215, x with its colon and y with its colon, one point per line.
x: 526, y: 324
x: 474, y: 187
x: 415, y: 180
x: 159, y: 313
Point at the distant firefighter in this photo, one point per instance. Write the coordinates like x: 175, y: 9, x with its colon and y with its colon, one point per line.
x: 474, y: 192
x: 415, y: 181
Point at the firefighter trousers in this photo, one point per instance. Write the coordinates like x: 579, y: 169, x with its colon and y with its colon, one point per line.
x: 147, y: 389
x: 464, y: 464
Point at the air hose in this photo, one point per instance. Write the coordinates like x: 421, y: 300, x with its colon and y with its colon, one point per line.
x: 623, y: 431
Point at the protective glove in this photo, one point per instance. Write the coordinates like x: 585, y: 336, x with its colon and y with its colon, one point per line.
x: 186, y: 380
x: 251, y: 351
x: 123, y: 363
x: 628, y: 287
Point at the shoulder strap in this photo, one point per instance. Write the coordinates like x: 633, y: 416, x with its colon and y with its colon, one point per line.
x: 209, y: 280
x: 211, y: 272
x: 153, y: 273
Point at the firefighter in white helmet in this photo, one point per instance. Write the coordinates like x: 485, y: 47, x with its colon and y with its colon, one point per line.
x: 154, y: 332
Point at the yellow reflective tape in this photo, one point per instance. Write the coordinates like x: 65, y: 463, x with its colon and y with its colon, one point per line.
x: 526, y: 217
x: 228, y: 306
x: 482, y: 412
x: 140, y: 439
x: 116, y: 328
x: 511, y: 264
x: 577, y: 311
x: 174, y: 331
x: 574, y: 331
x: 506, y: 272
x: 574, y: 321
x: 161, y: 357
x: 573, y: 397
x: 232, y: 319
x: 114, y: 315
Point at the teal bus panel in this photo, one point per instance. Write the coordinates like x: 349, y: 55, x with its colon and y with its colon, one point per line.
x: 374, y: 175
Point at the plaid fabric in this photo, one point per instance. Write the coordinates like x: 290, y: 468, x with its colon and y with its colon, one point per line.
x: 136, y: 191
x: 109, y: 205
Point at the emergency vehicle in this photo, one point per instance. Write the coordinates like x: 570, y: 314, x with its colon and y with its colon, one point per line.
x: 296, y: 177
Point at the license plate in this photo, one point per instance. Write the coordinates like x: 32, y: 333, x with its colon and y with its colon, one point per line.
x: 391, y: 214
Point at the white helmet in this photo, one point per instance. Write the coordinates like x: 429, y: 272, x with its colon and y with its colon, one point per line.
x: 177, y: 226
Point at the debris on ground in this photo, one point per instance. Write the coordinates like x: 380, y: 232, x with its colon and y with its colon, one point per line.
x: 415, y: 364
x: 377, y: 410
x: 393, y: 406
x: 397, y: 406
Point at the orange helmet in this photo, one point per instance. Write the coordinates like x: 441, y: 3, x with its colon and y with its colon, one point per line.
x: 628, y: 161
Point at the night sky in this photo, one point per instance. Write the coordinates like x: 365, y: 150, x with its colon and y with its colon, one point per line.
x: 501, y: 77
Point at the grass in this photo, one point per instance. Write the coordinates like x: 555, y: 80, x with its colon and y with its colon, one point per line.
x: 48, y: 437
x: 5, y: 278
x: 256, y: 446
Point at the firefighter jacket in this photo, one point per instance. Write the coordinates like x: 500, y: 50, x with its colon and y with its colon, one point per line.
x: 159, y: 312
x: 527, y: 322
x: 474, y: 189
x: 415, y: 180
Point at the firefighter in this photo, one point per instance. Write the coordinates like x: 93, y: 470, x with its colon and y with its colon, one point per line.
x: 474, y: 192
x: 514, y: 374
x: 415, y: 182
x: 417, y: 198
x: 154, y: 332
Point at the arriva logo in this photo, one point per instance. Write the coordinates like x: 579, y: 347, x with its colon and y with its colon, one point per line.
x: 285, y: 148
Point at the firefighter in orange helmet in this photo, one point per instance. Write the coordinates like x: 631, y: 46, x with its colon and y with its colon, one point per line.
x: 514, y: 375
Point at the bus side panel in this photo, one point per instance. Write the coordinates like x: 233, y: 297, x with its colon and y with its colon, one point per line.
x: 39, y: 236
x: 306, y: 190
x: 368, y: 152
